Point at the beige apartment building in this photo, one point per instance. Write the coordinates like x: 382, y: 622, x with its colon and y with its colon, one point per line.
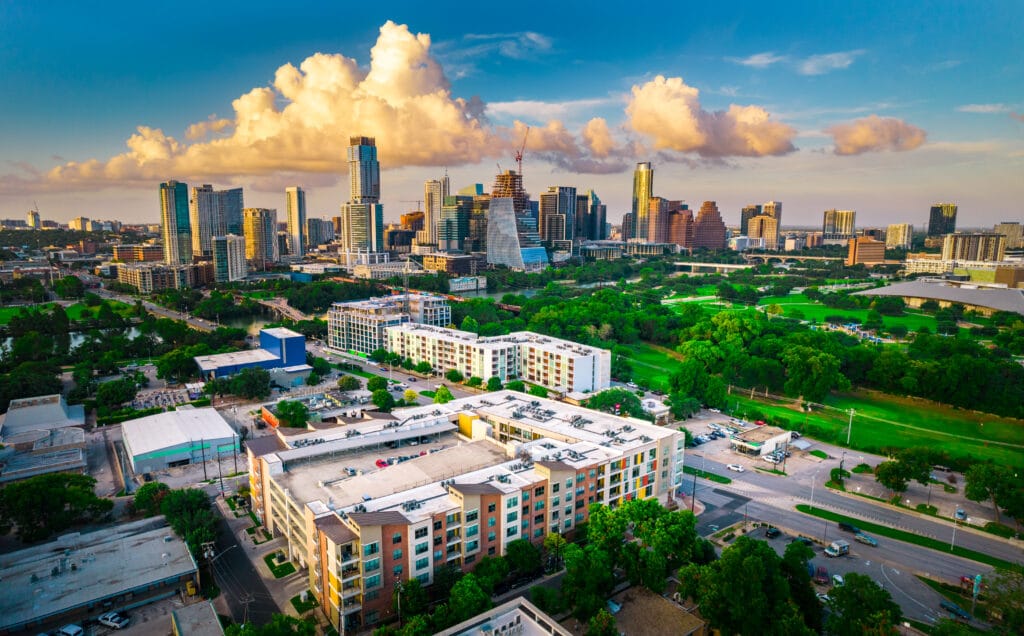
x: 500, y: 467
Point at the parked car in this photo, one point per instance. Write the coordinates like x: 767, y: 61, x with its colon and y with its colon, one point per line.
x: 735, y: 467
x: 411, y: 379
x: 824, y: 598
x: 795, y: 435
x: 114, y: 620
x: 863, y: 538
x: 382, y: 463
x: 803, y: 540
x: 772, y: 532
x: 821, y: 575
x: 960, y: 514
x: 837, y: 579
x: 70, y: 630
x: 955, y: 610
x: 759, y: 422
x: 848, y: 527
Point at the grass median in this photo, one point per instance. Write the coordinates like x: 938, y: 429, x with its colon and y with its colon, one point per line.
x: 903, y: 535
x: 689, y: 470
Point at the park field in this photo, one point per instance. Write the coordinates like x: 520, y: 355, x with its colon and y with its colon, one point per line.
x: 882, y: 420
x: 652, y: 365
x: 816, y: 312
x: 78, y: 311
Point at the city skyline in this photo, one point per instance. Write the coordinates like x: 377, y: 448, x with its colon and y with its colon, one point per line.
x: 860, y: 111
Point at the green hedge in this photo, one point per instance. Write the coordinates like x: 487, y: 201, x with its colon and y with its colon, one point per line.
x: 129, y: 414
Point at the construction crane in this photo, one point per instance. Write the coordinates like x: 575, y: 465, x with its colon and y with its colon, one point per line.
x: 418, y: 202
x: 519, y: 153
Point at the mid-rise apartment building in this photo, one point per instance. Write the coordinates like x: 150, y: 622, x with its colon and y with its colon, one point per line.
x: 556, y: 364
x: 360, y: 326
x: 899, y: 235
x: 518, y: 467
x: 138, y: 253
x: 151, y: 277
x: 978, y: 246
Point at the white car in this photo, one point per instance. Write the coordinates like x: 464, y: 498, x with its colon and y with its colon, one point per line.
x: 114, y: 620
x: 736, y: 467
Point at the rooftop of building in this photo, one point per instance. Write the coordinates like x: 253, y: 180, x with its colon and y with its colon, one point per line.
x: 214, y: 361
x: 197, y: 619
x: 42, y: 412
x: 174, y: 428
x: 518, y: 616
x: 993, y: 298
x: 760, y: 434
x: 281, y: 332
x: 79, y: 569
x: 514, y: 338
x: 382, y: 302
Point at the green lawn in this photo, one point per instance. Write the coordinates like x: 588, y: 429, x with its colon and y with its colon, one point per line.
x: 883, y: 420
x: 651, y: 366
x: 816, y: 312
x: 77, y: 311
x: 6, y: 313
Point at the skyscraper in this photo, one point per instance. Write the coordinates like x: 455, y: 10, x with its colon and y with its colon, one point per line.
x: 261, y: 246
x: 557, y: 214
x: 362, y: 218
x: 33, y: 220
x: 708, y: 228
x: 434, y: 195
x: 658, y: 220
x: 748, y: 212
x: 509, y: 243
x: 295, y: 208
x: 764, y: 227
x: 680, y: 229
x: 942, y: 219
x: 509, y: 184
x: 229, y: 258
x: 774, y: 210
x: 838, y: 225
x: 204, y: 206
x: 597, y: 218
x: 643, y: 184
x: 453, y: 227
x: 231, y: 204
x: 979, y: 246
x: 1012, y: 230
x: 174, y: 223
x: 476, y: 240
x: 899, y: 235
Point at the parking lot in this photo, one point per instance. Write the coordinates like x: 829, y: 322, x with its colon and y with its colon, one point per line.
x: 160, y: 398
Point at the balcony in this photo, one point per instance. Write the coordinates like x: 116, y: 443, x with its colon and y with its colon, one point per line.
x: 352, y: 605
x: 348, y: 557
x: 350, y: 590
x: 350, y: 572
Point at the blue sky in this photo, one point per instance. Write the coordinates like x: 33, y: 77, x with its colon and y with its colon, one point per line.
x: 880, y: 107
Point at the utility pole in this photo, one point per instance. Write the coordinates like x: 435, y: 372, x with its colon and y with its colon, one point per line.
x: 849, y: 427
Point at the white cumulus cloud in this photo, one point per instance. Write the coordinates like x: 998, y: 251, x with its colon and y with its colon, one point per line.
x: 759, y: 60
x: 984, y: 109
x: 669, y: 113
x: 875, y: 134
x: 824, y: 63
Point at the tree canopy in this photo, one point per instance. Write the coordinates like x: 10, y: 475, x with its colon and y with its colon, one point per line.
x: 42, y: 506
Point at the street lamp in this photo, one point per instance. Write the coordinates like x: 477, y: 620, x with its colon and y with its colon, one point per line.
x: 849, y: 427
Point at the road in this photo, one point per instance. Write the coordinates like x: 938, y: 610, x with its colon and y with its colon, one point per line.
x: 192, y: 321
x: 758, y: 496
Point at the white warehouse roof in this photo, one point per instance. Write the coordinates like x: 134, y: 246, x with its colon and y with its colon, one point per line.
x: 174, y: 428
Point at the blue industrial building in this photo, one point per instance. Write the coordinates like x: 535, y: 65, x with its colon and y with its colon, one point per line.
x: 281, y: 351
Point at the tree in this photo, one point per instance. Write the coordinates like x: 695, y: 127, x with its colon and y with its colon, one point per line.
x: 252, y: 383
x: 189, y: 515
x: 179, y: 364
x: 1005, y: 596
x: 470, y: 324
x: 423, y: 367
x: 376, y: 383
x: 795, y: 568
x: 893, y: 476
x: 619, y: 401
x: 988, y: 482
x: 149, y: 496
x: 69, y: 287
x: 812, y: 373
x: 516, y: 385
x: 602, y: 624
x: 474, y: 381
x: 454, y: 376
x: 379, y: 355
x: 490, y: 571
x: 538, y: 391
x: 860, y: 606
x: 410, y: 396
x: 313, y: 379
x: 414, y: 599
x: 523, y: 557
x: 554, y: 545
x: 588, y: 579
x: 751, y: 570
x: 349, y: 383
x: 292, y: 413
x: 468, y: 599
x: 116, y: 392
x: 773, y: 310
x: 442, y: 395
x: 383, y: 400
x: 47, y: 504
x: 320, y: 366
x: 279, y: 625
x: 494, y: 383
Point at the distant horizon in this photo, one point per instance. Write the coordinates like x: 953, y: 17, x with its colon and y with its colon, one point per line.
x: 851, y: 108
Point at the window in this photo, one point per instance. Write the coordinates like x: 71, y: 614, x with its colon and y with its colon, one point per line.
x: 472, y: 546
x: 555, y: 502
x: 579, y: 504
x: 526, y: 495
x: 511, y: 517
x: 371, y: 596
x: 372, y: 617
x: 472, y: 515
x: 396, y: 538
x: 568, y: 523
x: 422, y: 547
x: 512, y: 502
x: 371, y: 565
x: 651, y: 454
x: 539, y: 532
x: 490, y: 551
x: 539, y: 491
x: 539, y: 519
x: 424, y: 579
x: 579, y: 516
x: 579, y: 477
x: 438, y: 555
x: 593, y: 473
x: 371, y: 548
x: 554, y: 487
x: 491, y: 536
x: 397, y: 554
x: 437, y: 525
x: 437, y: 540
x: 421, y: 532
x: 472, y: 530
x: 491, y: 507
x: 568, y: 510
x: 568, y: 483
x: 372, y: 581
x: 511, y: 531
x: 636, y: 472
x: 397, y: 571
x: 538, y: 505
